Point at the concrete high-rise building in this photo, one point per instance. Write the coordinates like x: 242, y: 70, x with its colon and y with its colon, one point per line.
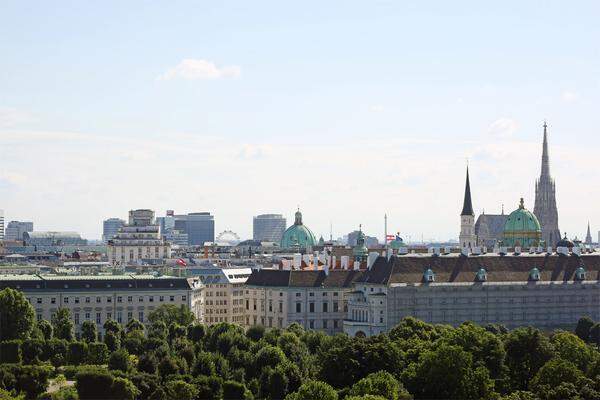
x: 110, y: 228
x: 16, y: 229
x: 467, y: 236
x: 268, y: 227
x: 545, y: 199
x: 141, y: 217
x: 1, y: 224
x: 194, y: 228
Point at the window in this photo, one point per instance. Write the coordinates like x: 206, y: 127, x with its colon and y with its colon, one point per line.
x: 335, y: 323
x: 141, y: 316
x: 87, y: 299
x: 171, y: 298
x: 324, y: 324
x: 184, y: 298
x: 141, y: 299
x: 129, y: 316
x: 151, y: 299
x: 39, y: 300
x: 161, y: 298
x: 119, y: 316
x: 108, y: 315
x: 87, y: 316
x: 247, y: 304
x: 76, y: 300
x: 335, y: 306
x: 298, y: 307
x: 76, y: 318
x: 298, y: 294
x: 311, y: 307
x: 119, y: 299
x: 98, y: 299
x: 129, y: 299
x: 270, y: 306
x: 311, y: 294
x: 66, y: 300
x: 98, y: 318
x: 53, y: 300
x: 311, y: 324
x: 109, y: 299
x: 325, y: 307
x: 280, y: 306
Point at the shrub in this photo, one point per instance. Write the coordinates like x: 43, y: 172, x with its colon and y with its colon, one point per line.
x: 10, y: 352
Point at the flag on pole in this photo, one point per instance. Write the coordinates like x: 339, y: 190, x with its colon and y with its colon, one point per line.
x: 390, y: 238
x: 181, y: 261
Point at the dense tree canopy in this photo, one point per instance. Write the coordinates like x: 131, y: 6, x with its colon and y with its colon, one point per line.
x: 176, y: 358
x: 17, y: 316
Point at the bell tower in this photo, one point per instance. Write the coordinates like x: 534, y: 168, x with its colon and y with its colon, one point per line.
x: 467, y: 236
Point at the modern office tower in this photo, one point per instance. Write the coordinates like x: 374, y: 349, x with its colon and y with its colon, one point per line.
x: 200, y: 228
x: 268, y: 227
x: 15, y: 229
x: 1, y: 224
x: 110, y: 228
x: 195, y: 228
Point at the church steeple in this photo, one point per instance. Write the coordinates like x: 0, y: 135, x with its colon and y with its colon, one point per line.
x: 588, y: 236
x: 545, y: 156
x: 467, y: 204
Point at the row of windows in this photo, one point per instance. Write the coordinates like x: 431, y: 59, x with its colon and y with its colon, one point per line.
x: 498, y: 300
x: 98, y: 299
x: 311, y: 307
x: 79, y: 318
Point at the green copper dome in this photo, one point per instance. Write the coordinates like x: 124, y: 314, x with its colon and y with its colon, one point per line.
x: 522, y: 228
x: 298, y: 236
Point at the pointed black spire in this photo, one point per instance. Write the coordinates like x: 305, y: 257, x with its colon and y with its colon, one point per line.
x: 545, y: 157
x: 467, y: 205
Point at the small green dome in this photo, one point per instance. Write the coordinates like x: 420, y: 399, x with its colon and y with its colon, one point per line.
x: 522, y: 228
x: 580, y: 274
x: 481, y: 275
x: 298, y: 235
x: 428, y: 275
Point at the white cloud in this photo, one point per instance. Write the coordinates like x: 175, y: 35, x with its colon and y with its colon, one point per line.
x: 194, y: 69
x: 503, y: 127
x: 376, y: 108
x: 569, y: 96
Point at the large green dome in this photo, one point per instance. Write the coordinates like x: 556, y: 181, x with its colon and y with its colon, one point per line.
x: 522, y: 228
x: 298, y: 236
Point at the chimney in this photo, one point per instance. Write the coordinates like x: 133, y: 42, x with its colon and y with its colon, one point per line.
x: 356, y: 265
x: 345, y: 262
x: 297, y: 261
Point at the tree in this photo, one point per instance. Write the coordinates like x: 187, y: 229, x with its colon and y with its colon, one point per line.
x: 181, y: 390
x: 553, y: 374
x: 255, y: 332
x: 45, y: 328
x: 62, y: 324
x: 527, y: 350
x: 269, y: 356
x: 123, y: 389
x: 112, y: 341
x: 169, y: 313
x: 88, y: 331
x: 94, y: 384
x: 32, y: 350
x: 196, y: 332
x: 595, y: 334
x: 167, y: 366
x: 112, y: 326
x: 209, y: 387
x: 97, y: 353
x: 447, y: 373
x: 382, y: 384
x: 134, y: 325
x: 147, y: 363
x: 10, y: 352
x: 233, y: 390
x: 77, y: 353
x: 32, y: 380
x: 17, y: 316
x: 583, y: 328
x: 572, y: 348
x: 119, y: 360
x: 314, y: 390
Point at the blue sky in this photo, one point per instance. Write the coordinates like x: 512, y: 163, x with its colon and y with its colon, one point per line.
x: 349, y: 109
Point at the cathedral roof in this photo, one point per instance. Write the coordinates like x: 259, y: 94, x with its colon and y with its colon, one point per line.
x: 467, y: 204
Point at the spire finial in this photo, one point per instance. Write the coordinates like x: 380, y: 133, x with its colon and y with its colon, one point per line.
x: 522, y: 203
x: 545, y: 157
x: 502, y: 208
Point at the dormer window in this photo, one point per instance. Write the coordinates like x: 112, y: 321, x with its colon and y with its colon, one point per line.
x: 481, y: 275
x: 580, y: 274
x: 534, y: 275
x: 428, y: 276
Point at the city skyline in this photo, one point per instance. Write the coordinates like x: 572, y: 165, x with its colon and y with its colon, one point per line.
x: 348, y: 113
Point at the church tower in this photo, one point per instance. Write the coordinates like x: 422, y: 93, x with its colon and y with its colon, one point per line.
x: 588, y: 236
x: 545, y: 199
x: 467, y: 236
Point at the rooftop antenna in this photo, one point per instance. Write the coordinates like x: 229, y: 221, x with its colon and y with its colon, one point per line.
x: 330, y: 231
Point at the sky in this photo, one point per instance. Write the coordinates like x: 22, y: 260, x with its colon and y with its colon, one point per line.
x: 347, y: 109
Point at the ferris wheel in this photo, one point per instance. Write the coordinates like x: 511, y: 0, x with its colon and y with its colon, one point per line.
x: 228, y: 236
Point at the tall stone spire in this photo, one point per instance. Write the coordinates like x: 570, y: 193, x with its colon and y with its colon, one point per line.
x: 588, y: 236
x: 467, y: 204
x: 467, y: 236
x: 545, y: 198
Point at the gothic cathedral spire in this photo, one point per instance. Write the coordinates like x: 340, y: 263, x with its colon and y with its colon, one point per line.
x: 545, y: 198
x: 467, y: 236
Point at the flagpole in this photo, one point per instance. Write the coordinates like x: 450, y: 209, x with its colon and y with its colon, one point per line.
x: 385, y: 240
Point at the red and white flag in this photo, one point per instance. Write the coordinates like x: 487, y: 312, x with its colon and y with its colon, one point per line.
x: 390, y: 238
x: 181, y: 261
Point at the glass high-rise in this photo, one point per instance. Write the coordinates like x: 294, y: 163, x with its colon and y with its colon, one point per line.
x: 268, y: 227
